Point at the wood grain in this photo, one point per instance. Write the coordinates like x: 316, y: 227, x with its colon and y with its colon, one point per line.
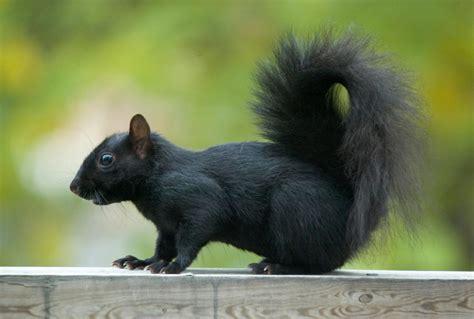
x: 114, y: 293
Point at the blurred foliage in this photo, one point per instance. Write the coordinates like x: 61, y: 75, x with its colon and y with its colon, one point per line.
x: 188, y: 65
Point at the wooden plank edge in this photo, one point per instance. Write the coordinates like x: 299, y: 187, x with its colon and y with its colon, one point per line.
x: 234, y: 273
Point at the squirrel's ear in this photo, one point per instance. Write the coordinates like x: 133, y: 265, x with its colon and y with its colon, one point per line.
x: 140, y: 135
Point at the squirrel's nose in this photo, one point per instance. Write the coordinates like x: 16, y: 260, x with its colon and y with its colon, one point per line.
x: 74, y: 187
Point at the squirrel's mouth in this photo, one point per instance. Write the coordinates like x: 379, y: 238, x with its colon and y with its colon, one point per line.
x: 98, y: 198
x: 88, y: 193
x: 95, y: 197
x: 98, y: 201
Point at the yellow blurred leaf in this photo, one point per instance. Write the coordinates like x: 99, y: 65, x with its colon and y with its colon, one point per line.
x: 19, y: 64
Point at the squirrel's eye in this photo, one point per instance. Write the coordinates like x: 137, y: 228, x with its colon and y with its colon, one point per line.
x: 106, y: 159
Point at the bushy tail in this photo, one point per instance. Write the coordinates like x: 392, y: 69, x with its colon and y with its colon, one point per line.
x: 373, y: 144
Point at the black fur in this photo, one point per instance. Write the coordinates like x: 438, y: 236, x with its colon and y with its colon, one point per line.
x: 306, y: 201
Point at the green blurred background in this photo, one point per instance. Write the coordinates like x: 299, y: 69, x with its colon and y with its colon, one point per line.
x: 72, y: 72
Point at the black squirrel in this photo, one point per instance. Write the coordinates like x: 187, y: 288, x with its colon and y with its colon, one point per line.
x: 310, y: 198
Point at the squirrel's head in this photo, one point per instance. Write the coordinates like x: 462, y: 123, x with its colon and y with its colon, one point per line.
x: 111, y: 172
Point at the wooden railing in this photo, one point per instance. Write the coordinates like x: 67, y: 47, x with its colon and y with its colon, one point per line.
x: 229, y: 293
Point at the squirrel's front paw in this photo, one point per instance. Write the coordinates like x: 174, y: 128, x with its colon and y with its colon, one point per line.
x: 172, y: 268
x: 131, y: 262
x: 164, y: 267
x: 157, y: 267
